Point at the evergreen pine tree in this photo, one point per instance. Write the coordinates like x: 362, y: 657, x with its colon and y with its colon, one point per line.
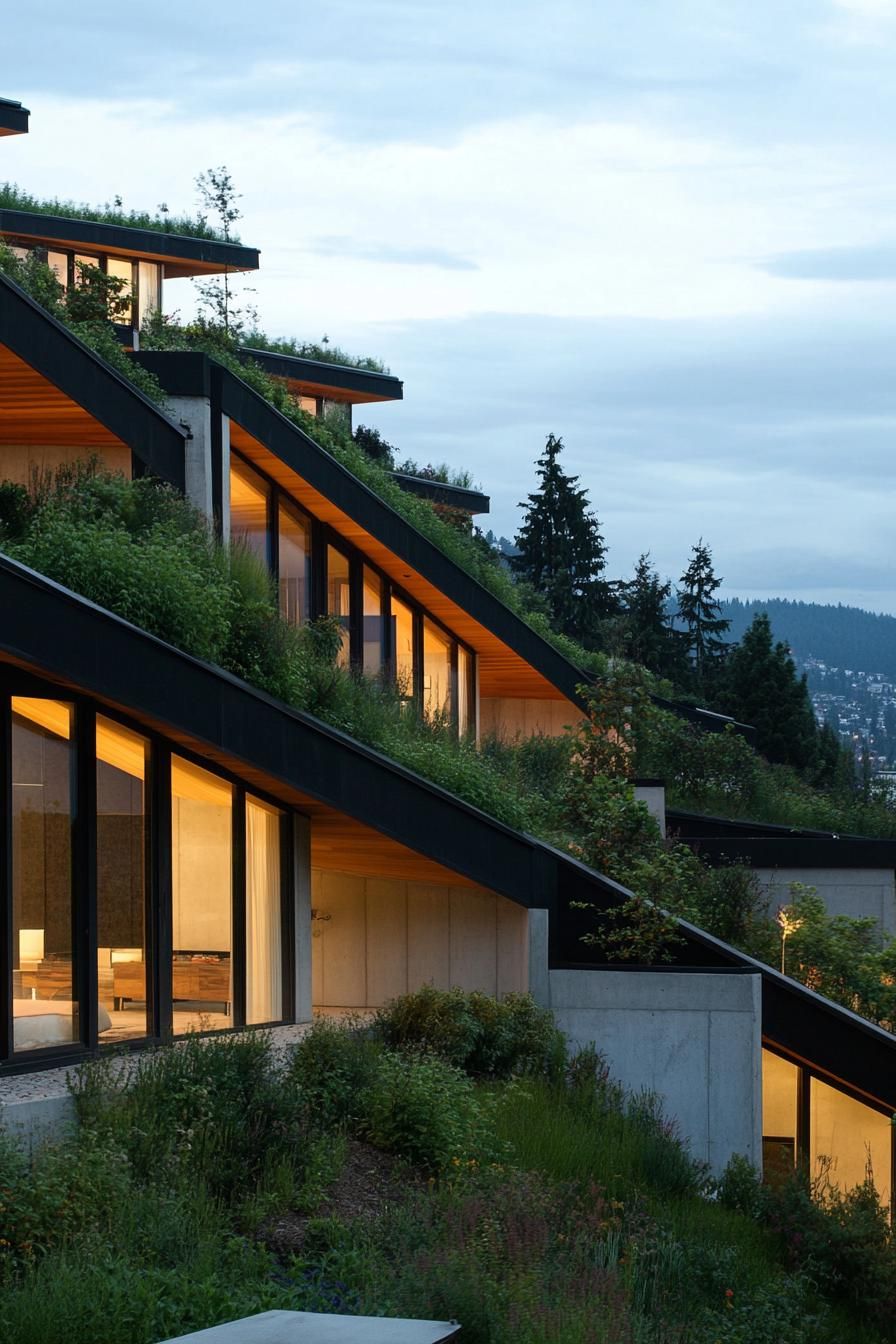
x: 562, y: 553
x: 704, y: 626
x: 648, y: 636
x: 761, y: 687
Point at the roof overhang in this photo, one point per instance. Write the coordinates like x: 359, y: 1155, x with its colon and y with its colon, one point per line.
x: 762, y: 845
x: 386, y: 815
x: 13, y: 117
x: 320, y: 378
x: 180, y: 254
x: 514, y: 660
x: 439, y: 492
x: 55, y: 391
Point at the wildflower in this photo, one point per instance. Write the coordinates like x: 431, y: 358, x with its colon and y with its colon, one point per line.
x: 729, y: 1297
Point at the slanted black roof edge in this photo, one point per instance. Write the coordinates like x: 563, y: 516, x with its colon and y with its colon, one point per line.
x: 798, y: 851
x: 65, y: 637
x: 58, y: 355
x: 441, y: 492
x: 833, y: 1039
x: 707, y: 719
x: 124, y: 238
x: 338, y: 376
x: 698, y: 825
x: 315, y: 465
x: 13, y: 116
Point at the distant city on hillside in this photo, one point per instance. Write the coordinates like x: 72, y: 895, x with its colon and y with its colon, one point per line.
x: 849, y: 658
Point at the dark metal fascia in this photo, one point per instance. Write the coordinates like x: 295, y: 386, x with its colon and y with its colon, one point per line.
x: 59, y: 356
x: 341, y: 377
x: 121, y: 238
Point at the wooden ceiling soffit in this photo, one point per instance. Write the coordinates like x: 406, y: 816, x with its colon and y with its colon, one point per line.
x: 33, y: 411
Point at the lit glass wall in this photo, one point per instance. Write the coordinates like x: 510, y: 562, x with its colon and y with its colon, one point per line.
x: 438, y: 677
x: 202, y: 897
x: 339, y: 602
x: 294, y: 568
x: 373, y: 622
x: 848, y: 1140
x: 264, y: 922
x: 403, y: 646
x: 121, y: 827
x: 249, y: 509
x: 45, y: 1011
x: 780, y: 1086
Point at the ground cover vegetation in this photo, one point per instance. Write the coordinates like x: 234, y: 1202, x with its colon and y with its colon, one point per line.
x: 447, y: 1160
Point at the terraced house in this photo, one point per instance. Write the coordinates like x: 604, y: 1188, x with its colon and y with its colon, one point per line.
x: 181, y: 851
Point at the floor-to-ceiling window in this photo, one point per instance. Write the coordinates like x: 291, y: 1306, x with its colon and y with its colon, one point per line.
x: 122, y: 758
x: 45, y: 1007
x: 339, y: 599
x: 372, y: 587
x: 403, y: 652
x: 438, y: 676
x: 264, y: 917
x: 294, y: 564
x: 835, y: 1136
x: 249, y: 509
x: 202, y: 897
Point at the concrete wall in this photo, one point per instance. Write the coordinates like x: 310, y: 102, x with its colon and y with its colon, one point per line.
x: 18, y: 462
x: 375, y: 938
x: 857, y: 892
x: 653, y: 796
x: 509, y: 716
x: 694, y: 1039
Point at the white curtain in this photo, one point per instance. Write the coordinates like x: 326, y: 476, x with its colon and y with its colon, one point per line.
x: 264, y: 974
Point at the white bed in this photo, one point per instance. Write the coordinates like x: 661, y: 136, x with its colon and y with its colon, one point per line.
x: 38, y: 1022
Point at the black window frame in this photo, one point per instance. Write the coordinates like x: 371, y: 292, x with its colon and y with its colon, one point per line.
x: 323, y: 535
x: 158, y: 950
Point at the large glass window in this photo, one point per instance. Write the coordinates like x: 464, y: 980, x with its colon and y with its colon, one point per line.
x: 339, y: 599
x: 403, y: 646
x: 294, y: 544
x: 264, y: 956
x: 58, y: 263
x: 149, y: 289
x: 466, y: 693
x: 121, y: 818
x: 45, y: 1011
x: 373, y: 623
x: 438, y: 681
x: 123, y: 269
x: 780, y: 1085
x: 848, y: 1139
x: 202, y: 895
x: 249, y: 509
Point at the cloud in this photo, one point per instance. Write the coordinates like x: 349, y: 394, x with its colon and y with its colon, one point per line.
x: 390, y: 254
x: 869, y: 262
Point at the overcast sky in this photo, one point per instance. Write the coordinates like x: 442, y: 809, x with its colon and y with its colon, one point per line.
x: 665, y: 231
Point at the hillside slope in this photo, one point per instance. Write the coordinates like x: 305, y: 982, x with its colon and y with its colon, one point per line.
x: 839, y: 636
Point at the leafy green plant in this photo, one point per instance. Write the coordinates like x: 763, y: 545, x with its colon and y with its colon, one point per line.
x: 12, y: 197
x: 474, y: 1031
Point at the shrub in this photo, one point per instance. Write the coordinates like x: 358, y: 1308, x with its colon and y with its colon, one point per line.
x: 330, y: 1070
x: 474, y: 1031
x: 428, y: 1112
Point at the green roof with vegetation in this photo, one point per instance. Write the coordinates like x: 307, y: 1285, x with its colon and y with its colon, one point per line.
x: 321, y: 350
x: 13, y: 197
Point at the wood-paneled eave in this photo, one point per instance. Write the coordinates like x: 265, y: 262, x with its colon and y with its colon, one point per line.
x: 502, y: 671
x: 34, y: 411
x: 302, y: 387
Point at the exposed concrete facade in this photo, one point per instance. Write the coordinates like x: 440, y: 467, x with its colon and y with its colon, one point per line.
x: 376, y: 938
x: 856, y: 892
x: 693, y: 1038
x: 196, y: 414
x: 653, y: 796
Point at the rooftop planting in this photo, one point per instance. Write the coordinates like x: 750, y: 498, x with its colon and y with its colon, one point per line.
x: 138, y: 549
x: 323, y: 350
x: 13, y: 197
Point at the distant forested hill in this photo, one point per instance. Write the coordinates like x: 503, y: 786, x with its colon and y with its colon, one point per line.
x: 839, y: 636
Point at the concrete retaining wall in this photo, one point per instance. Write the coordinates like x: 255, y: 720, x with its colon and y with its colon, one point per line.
x: 857, y: 892
x: 693, y: 1038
